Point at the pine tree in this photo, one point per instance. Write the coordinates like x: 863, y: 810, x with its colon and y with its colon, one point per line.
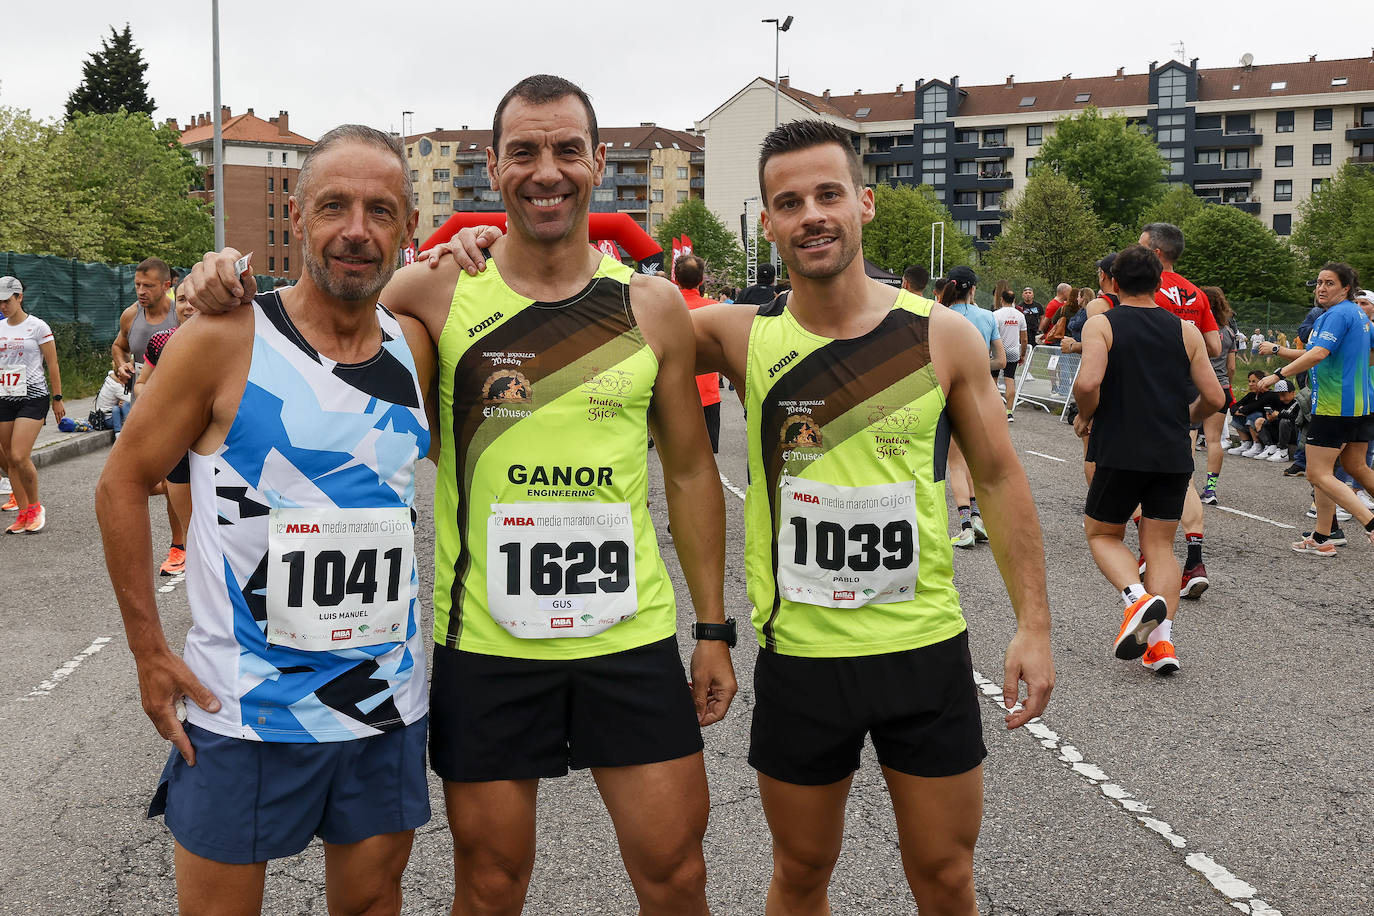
x: 113, y: 78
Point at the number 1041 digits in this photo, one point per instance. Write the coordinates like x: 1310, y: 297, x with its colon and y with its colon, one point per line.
x: 329, y: 584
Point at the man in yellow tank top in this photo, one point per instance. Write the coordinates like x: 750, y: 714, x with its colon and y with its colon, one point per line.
x: 852, y: 391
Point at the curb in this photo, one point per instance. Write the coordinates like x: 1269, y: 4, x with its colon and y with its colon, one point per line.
x: 73, y: 445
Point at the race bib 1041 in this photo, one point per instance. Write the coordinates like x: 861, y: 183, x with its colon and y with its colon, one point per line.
x: 560, y: 569
x: 339, y: 578
x: 845, y: 547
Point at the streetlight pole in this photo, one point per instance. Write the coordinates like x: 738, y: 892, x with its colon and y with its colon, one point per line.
x: 217, y: 148
x: 778, y: 29
x: 404, y: 115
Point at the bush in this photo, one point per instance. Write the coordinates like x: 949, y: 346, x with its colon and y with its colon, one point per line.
x: 82, y: 360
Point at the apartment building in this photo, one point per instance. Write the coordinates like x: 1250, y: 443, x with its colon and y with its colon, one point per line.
x: 649, y: 171
x: 1259, y: 137
x: 261, y: 161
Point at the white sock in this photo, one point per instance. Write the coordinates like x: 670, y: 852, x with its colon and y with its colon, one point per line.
x: 1162, y: 632
x: 1133, y: 593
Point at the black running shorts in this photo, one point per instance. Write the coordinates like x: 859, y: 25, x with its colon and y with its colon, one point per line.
x: 493, y: 717
x: 920, y: 707
x: 23, y: 408
x: 1009, y: 371
x: 1115, y: 493
x: 182, y: 472
x: 1338, y: 432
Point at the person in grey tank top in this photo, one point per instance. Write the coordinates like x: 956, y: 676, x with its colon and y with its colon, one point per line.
x: 152, y: 312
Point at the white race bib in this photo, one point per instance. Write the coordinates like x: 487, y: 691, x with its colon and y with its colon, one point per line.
x: 339, y: 578
x: 845, y: 547
x: 560, y: 569
x: 14, y: 381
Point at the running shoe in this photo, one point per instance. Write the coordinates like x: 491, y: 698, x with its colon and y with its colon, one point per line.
x: 1279, y: 455
x: 1010, y: 418
x: 37, y: 519
x: 1312, y: 510
x: 1194, y: 582
x: 1141, y: 564
x: 176, y: 562
x: 1253, y: 451
x: 5, y: 486
x: 1309, y: 545
x: 1238, y: 449
x: 1161, y: 658
x: 1342, y: 515
x: 1209, y: 496
x: 963, y: 539
x: 1364, y: 498
x: 1201, y: 444
x: 20, y: 524
x: 11, y: 504
x: 1140, y: 621
x: 1294, y: 470
x: 1336, y: 537
x: 980, y: 531
x: 1269, y: 451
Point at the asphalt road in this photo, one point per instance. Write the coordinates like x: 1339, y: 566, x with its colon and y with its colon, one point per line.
x: 1238, y: 785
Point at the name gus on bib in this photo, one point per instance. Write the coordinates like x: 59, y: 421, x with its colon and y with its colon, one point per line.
x: 338, y: 578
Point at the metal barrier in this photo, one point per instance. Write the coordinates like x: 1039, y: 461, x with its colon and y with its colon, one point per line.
x: 1045, y: 378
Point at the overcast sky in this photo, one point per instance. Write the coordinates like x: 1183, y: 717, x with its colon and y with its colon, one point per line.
x: 671, y: 63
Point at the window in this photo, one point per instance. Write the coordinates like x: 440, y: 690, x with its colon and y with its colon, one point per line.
x: 1027, y: 101
x: 966, y: 167
x: 438, y: 221
x: 603, y: 194
x: 286, y: 265
x: 1082, y: 96
x: 1175, y: 156
x: 442, y: 197
x: 934, y: 179
x: 1173, y: 88
x: 883, y: 173
x: 284, y: 188
x: 1030, y: 166
x: 1321, y: 119
x: 967, y: 226
x: 994, y: 138
x: 1035, y: 135
x: 271, y: 237
x: 1237, y: 159
x: 658, y: 220
x: 933, y: 148
x: 1283, y: 190
x: 414, y: 175
x: 658, y: 195
x: 1283, y: 122
x: 658, y: 171
x: 903, y: 140
x: 271, y: 211
x: 410, y: 152
x: 1208, y: 157
x: 283, y: 158
x: 1283, y: 156
x: 1366, y: 117
x: 443, y: 150
x: 1321, y: 153
x: 1278, y: 85
x: 681, y: 197
x: 682, y: 172
x: 1283, y: 224
x: 863, y: 112
x: 269, y: 184
x: 966, y: 136
x: 933, y: 164
x: 1169, y: 128
x: 1339, y: 80
x: 1239, y: 124
x: 1208, y: 122
x: 965, y: 198
x: 1318, y: 184
x: 441, y: 174
x: 992, y: 200
x: 905, y: 170
x: 271, y: 265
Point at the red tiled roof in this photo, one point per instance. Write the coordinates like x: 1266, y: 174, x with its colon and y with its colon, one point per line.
x: 244, y: 128
x: 1305, y: 78
x: 1056, y: 95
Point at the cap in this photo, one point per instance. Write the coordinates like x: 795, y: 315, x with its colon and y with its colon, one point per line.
x: 1028, y: 289
x: 10, y: 286
x: 766, y: 274
x: 1282, y: 385
x: 1367, y: 294
x: 963, y: 277
x: 1105, y: 265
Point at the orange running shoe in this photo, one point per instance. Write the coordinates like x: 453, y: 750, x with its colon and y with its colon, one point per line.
x: 21, y: 523
x: 10, y: 505
x: 1141, y: 619
x: 175, y: 564
x: 1160, y: 658
x: 37, y: 519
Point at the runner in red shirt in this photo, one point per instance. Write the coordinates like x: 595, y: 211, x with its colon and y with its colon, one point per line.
x: 1178, y: 294
x: 688, y: 273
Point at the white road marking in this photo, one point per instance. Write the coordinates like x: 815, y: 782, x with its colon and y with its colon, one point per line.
x: 1258, y: 518
x: 731, y: 487
x: 1238, y: 893
x: 172, y: 583
x: 61, y: 674
x: 1043, y: 455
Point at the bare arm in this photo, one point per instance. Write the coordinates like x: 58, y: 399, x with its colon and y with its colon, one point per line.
x: 696, y: 504
x: 1209, y: 399
x: 422, y: 351
x: 722, y: 340
x: 979, y: 424
x: 1087, y: 387
x: 1306, y: 360
x: 49, y: 351
x: 1213, y: 341
x: 121, y: 359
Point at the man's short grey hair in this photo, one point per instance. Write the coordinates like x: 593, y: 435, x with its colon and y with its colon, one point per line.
x: 356, y: 133
x: 1062, y: 288
x: 1166, y: 238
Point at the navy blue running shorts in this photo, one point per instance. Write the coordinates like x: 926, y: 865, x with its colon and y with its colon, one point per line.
x: 251, y: 801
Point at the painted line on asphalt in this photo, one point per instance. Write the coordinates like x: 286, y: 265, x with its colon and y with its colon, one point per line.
x: 725, y: 481
x: 172, y: 583
x: 1043, y: 455
x: 1258, y: 518
x: 61, y: 674
x: 1240, y: 894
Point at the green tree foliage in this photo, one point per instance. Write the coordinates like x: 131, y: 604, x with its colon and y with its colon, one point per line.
x: 134, y: 177
x: 1226, y: 247
x: 112, y: 78
x: 39, y: 214
x: 1121, y: 168
x: 899, y: 235
x: 711, y: 241
x: 1178, y: 205
x: 1052, y: 237
x: 1337, y: 222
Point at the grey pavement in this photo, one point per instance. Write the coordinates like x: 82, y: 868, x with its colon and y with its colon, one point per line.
x: 1250, y: 765
x: 53, y: 445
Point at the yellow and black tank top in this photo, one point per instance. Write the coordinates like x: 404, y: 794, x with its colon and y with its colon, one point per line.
x: 847, y: 547
x: 544, y: 545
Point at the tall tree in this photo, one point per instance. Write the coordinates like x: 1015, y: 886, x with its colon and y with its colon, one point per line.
x: 1053, y: 235
x: 711, y: 241
x: 1337, y: 222
x: 1178, y: 205
x: 1119, y: 166
x: 899, y: 235
x: 1226, y: 247
x: 112, y: 78
x: 39, y: 214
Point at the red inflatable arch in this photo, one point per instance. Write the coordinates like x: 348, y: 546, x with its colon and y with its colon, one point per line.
x: 617, y: 227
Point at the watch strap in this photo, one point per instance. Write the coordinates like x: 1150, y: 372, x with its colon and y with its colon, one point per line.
x: 725, y: 632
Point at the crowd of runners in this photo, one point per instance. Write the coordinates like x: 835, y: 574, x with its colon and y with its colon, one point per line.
x: 532, y: 370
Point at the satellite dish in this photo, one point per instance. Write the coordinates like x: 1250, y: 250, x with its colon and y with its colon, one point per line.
x: 1247, y: 59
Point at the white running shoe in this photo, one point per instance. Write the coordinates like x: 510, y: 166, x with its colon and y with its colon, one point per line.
x: 1342, y: 515
x: 1252, y: 451
x: 1364, y: 498
x: 5, y: 486
x: 1279, y: 455
x: 1269, y: 452
x: 1238, y: 449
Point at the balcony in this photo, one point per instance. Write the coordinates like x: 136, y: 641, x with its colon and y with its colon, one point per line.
x: 475, y: 180
x: 479, y: 206
x: 698, y: 183
x: 1000, y: 181
x: 1217, y: 137
x: 991, y: 215
x: 1249, y: 206
x: 626, y: 180
x: 1359, y: 133
x: 630, y: 204
x: 1360, y: 160
x: 1215, y: 173
x: 963, y: 181
x: 697, y: 158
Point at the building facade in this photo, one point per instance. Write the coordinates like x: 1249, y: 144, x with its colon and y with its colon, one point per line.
x: 649, y: 171
x: 261, y: 162
x: 1257, y: 137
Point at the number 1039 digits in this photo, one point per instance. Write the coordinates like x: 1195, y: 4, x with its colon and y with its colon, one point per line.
x: 832, y: 541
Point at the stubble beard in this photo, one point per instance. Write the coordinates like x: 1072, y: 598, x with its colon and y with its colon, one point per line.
x: 349, y: 289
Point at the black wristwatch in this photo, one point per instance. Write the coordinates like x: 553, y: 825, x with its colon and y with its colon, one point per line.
x: 1279, y: 372
x: 722, y: 631
x: 57, y: 397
